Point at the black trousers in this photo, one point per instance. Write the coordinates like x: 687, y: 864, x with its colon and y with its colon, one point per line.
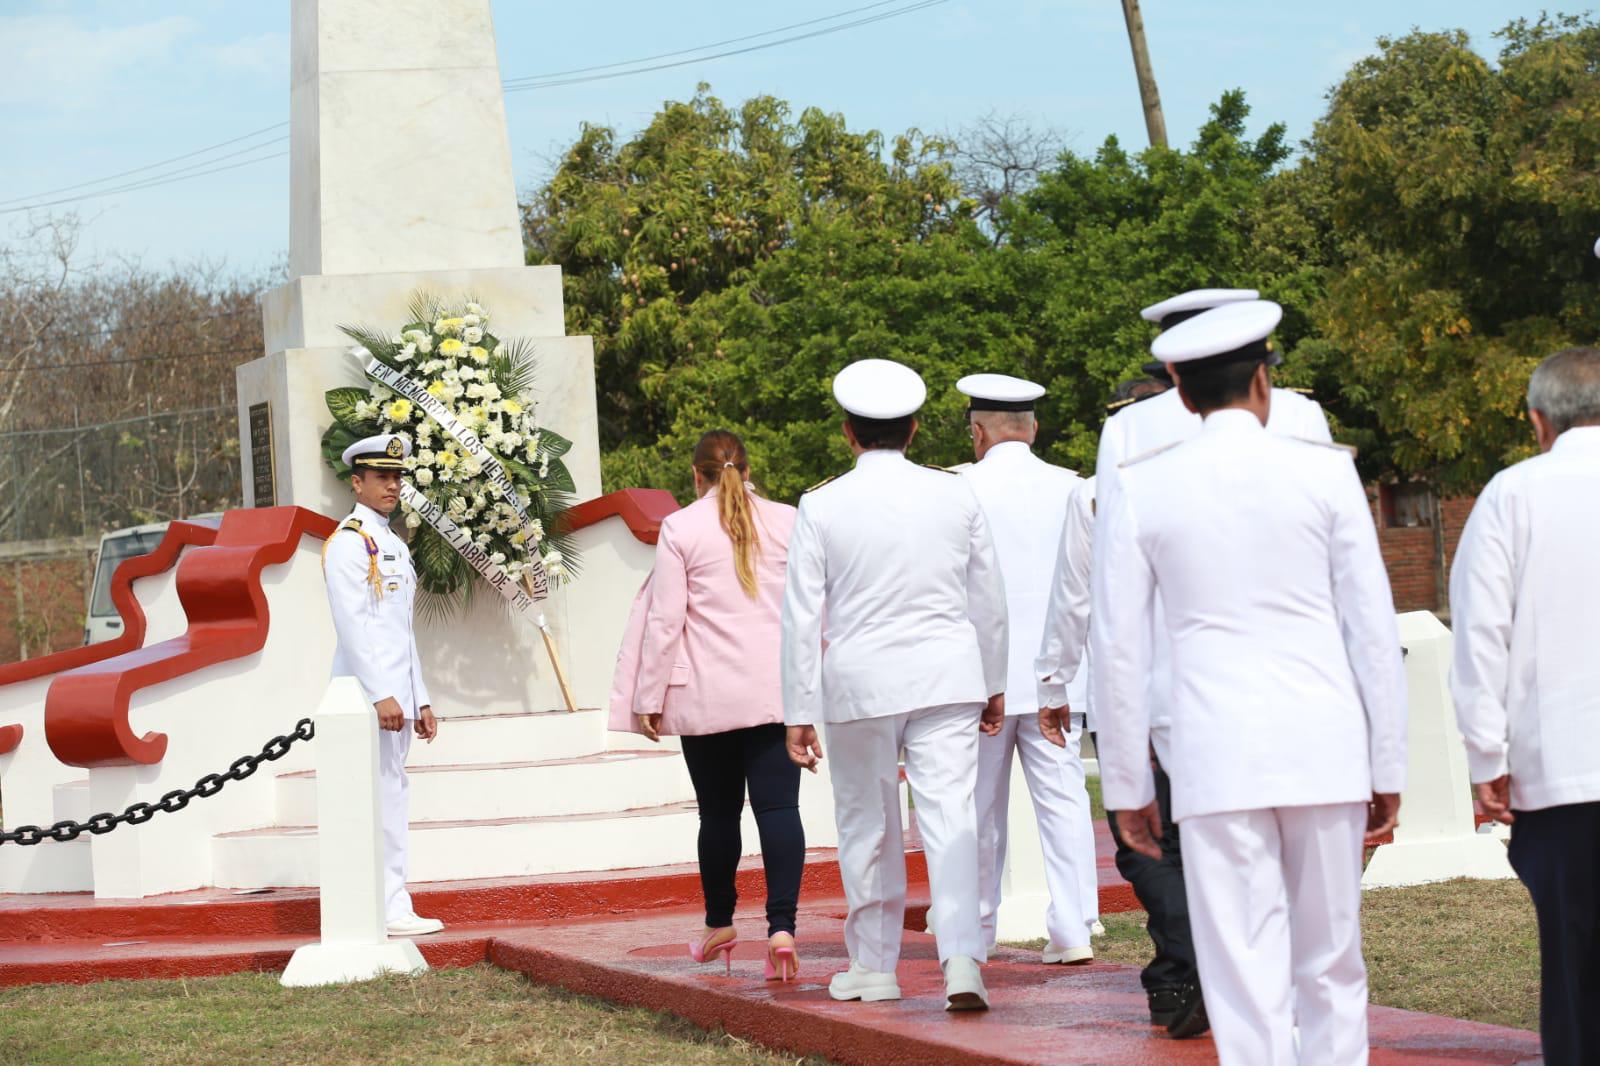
x: 723, y: 766
x: 1556, y: 852
x: 1158, y: 883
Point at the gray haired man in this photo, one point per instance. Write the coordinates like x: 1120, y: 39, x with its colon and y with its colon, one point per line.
x: 1526, y: 682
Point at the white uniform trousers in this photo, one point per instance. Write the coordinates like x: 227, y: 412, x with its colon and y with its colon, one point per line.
x: 1275, y: 904
x: 1066, y: 834
x: 941, y: 757
x: 394, y: 798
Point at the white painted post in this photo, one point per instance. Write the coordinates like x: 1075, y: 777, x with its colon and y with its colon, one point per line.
x: 355, y: 944
x: 1436, y: 839
x: 1024, y: 892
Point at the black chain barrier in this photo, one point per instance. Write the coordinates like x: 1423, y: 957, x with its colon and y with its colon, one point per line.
x: 172, y: 802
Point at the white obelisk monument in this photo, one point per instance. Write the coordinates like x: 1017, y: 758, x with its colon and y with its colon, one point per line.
x: 401, y: 181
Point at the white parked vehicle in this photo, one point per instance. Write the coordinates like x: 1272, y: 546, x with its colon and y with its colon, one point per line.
x: 102, y: 621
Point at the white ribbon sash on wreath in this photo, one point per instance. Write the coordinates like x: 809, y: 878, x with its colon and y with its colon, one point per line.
x: 522, y: 599
x: 493, y: 469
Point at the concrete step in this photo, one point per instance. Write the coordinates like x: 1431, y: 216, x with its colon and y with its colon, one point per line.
x: 71, y: 800
x: 286, y: 856
x: 47, y: 867
x: 594, y: 784
x: 483, y: 738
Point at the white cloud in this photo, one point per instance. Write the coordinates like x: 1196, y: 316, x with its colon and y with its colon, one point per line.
x: 54, y: 61
x: 261, y: 55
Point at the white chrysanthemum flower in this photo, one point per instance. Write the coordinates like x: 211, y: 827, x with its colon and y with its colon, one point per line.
x: 498, y: 558
x: 491, y: 391
x: 470, y: 319
x: 467, y: 373
x: 512, y: 440
x: 406, y: 352
x: 476, y: 309
x: 424, y: 476
x: 482, y: 540
x: 413, y: 520
x: 425, y: 345
x: 364, y: 410
x: 536, y: 529
x: 457, y: 505
x: 472, y: 334
x: 381, y: 392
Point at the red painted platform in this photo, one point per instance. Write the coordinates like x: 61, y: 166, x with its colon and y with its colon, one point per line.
x: 1041, y: 1014
x: 620, y: 935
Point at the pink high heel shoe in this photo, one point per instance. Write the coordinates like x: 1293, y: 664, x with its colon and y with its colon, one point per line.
x: 783, y: 964
x: 705, y: 950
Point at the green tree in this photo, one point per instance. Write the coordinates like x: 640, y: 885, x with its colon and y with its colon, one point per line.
x: 1463, y: 200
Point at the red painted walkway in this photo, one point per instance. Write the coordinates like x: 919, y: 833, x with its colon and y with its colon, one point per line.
x: 1041, y: 1014
x: 620, y: 935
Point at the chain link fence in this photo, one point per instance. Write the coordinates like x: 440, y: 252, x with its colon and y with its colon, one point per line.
x: 78, y: 480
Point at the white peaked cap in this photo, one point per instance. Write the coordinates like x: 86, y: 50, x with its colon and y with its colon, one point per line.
x: 1196, y: 300
x: 879, y: 388
x: 386, y: 451
x: 1597, y: 247
x: 1000, y: 392
x: 1220, y: 331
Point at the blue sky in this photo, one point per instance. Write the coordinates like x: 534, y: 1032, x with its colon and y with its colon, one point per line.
x: 93, y: 87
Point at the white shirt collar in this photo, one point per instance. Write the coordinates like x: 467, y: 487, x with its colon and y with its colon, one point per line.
x: 1232, y: 420
x: 1008, y: 449
x: 1578, y: 438
x: 880, y: 456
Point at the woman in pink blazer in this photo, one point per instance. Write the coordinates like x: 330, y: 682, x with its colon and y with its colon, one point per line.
x: 708, y: 672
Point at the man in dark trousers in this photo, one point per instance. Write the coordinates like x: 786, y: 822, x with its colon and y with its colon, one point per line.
x: 1526, y: 683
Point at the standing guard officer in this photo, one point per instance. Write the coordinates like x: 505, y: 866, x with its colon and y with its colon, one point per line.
x: 1287, y: 694
x: 371, y: 592
x: 894, y: 634
x: 1025, y: 499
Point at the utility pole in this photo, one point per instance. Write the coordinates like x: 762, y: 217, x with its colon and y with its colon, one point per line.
x: 1154, y: 122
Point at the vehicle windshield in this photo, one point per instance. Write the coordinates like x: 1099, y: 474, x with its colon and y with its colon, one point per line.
x: 113, y: 551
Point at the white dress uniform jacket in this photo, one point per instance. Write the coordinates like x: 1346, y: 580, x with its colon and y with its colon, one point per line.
x: 899, y: 559
x: 1526, y: 676
x: 1287, y: 684
x: 376, y: 642
x: 1154, y: 423
x: 1024, y: 500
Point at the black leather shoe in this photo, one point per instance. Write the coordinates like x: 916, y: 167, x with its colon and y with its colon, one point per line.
x: 1164, y: 1005
x: 1190, y: 1019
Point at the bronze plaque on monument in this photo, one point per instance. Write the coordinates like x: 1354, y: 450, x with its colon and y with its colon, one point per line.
x: 261, y: 469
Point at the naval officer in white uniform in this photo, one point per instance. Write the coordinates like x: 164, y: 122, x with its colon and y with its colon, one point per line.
x: 894, y: 635
x: 1025, y: 499
x: 371, y: 592
x: 1288, y: 715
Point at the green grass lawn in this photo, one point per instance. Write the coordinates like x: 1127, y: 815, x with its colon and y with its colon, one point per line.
x: 479, y: 1014
x: 1465, y: 949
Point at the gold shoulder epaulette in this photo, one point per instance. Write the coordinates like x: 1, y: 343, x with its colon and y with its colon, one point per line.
x: 1301, y: 389
x: 1151, y: 454
x: 1117, y: 405
x: 936, y: 466
x: 352, y: 523
x: 823, y: 482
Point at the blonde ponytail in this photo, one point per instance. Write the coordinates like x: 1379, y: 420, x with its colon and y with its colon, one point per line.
x: 721, y: 460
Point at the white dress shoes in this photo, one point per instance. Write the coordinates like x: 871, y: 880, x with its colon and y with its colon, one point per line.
x: 1054, y: 953
x: 963, y: 985
x: 411, y: 925
x: 869, y: 986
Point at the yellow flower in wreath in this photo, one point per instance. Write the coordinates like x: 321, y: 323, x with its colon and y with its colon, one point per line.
x: 512, y: 407
x: 436, y: 389
x: 399, y: 411
x: 450, y: 348
x: 448, y: 460
x: 480, y: 355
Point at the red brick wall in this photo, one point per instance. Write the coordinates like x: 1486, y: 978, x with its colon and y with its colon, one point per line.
x: 1417, y: 575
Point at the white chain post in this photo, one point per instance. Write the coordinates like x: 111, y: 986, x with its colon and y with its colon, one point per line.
x: 354, y: 944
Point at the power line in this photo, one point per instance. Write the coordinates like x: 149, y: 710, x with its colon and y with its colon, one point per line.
x: 920, y: 6
x: 126, y: 362
x: 576, y: 76
x: 49, y: 430
x: 151, y: 184
x: 513, y: 82
x: 147, y: 166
